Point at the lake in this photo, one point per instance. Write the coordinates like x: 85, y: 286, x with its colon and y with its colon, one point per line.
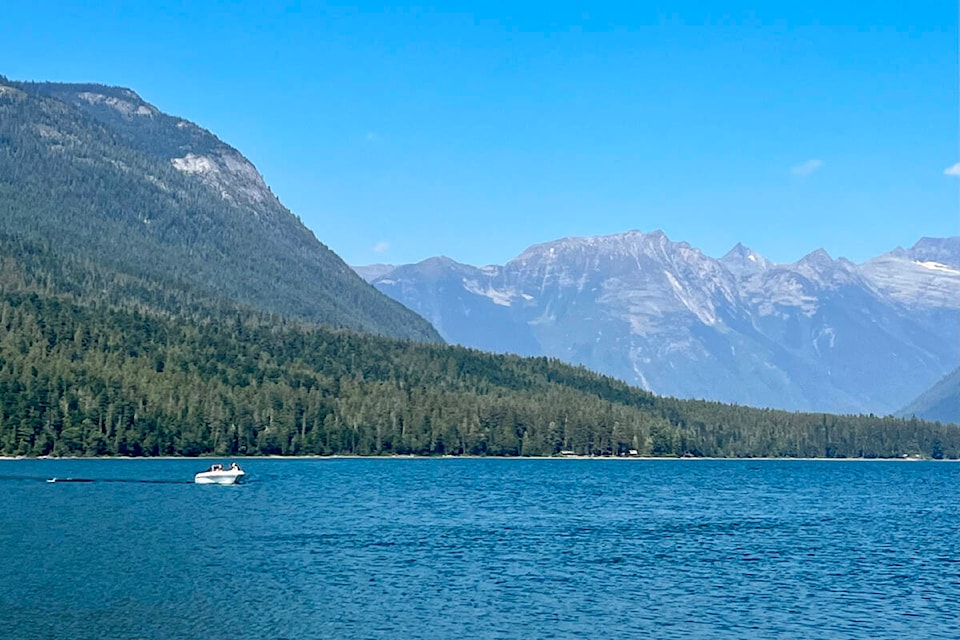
x: 480, y: 548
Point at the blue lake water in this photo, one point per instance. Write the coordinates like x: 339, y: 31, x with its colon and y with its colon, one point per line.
x: 479, y: 548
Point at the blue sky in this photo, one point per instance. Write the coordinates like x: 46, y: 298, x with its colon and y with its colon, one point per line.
x: 474, y: 130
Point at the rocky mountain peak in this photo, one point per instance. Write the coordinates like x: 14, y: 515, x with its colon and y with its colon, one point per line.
x: 945, y: 251
x: 925, y: 276
x: 440, y: 264
x: 825, y: 272
x: 743, y: 261
x: 431, y: 270
x: 629, y: 245
x: 818, y: 258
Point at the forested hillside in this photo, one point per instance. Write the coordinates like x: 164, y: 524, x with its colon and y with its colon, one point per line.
x: 79, y: 379
x: 102, y: 177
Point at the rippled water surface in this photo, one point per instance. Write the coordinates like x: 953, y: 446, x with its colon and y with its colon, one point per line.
x: 448, y: 548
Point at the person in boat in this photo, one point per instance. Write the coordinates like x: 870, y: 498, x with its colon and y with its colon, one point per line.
x: 234, y: 466
x: 216, y: 467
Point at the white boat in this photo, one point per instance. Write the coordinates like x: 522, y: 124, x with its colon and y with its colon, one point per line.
x: 216, y: 474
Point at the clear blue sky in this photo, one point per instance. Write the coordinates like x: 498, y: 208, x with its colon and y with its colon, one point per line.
x: 474, y: 130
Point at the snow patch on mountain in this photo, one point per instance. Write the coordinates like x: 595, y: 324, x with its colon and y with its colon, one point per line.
x: 943, y: 250
x: 501, y: 298
x: 936, y: 266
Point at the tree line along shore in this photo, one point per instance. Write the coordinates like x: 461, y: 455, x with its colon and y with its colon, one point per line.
x: 95, y: 380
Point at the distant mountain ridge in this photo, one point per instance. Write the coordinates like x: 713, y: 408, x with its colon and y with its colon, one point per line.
x: 98, y: 174
x: 819, y: 334
x: 940, y: 403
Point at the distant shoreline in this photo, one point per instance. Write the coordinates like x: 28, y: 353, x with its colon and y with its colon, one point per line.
x: 467, y: 457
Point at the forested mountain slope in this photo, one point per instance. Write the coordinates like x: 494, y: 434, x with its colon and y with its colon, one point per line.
x: 96, y: 174
x: 100, y: 380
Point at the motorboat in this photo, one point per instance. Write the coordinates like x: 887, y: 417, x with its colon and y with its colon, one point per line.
x: 216, y: 474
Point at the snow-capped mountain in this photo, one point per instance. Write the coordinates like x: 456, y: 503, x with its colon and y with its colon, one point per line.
x: 820, y: 334
x: 925, y: 276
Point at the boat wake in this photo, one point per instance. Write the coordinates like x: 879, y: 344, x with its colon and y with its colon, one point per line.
x: 58, y: 480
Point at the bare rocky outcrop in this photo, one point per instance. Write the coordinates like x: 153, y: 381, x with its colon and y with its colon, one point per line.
x: 132, y: 107
x: 230, y: 174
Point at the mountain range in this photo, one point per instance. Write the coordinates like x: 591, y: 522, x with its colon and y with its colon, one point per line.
x: 820, y: 334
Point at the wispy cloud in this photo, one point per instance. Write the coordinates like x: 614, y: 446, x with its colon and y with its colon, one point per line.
x: 381, y: 247
x: 952, y: 171
x: 807, y: 168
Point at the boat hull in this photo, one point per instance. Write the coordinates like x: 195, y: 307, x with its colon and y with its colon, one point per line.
x: 226, y: 476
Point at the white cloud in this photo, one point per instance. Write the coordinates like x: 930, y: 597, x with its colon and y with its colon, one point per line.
x: 952, y: 171
x: 807, y: 168
x: 381, y: 247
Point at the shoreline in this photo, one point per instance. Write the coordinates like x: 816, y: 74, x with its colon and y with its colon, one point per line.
x: 467, y: 457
